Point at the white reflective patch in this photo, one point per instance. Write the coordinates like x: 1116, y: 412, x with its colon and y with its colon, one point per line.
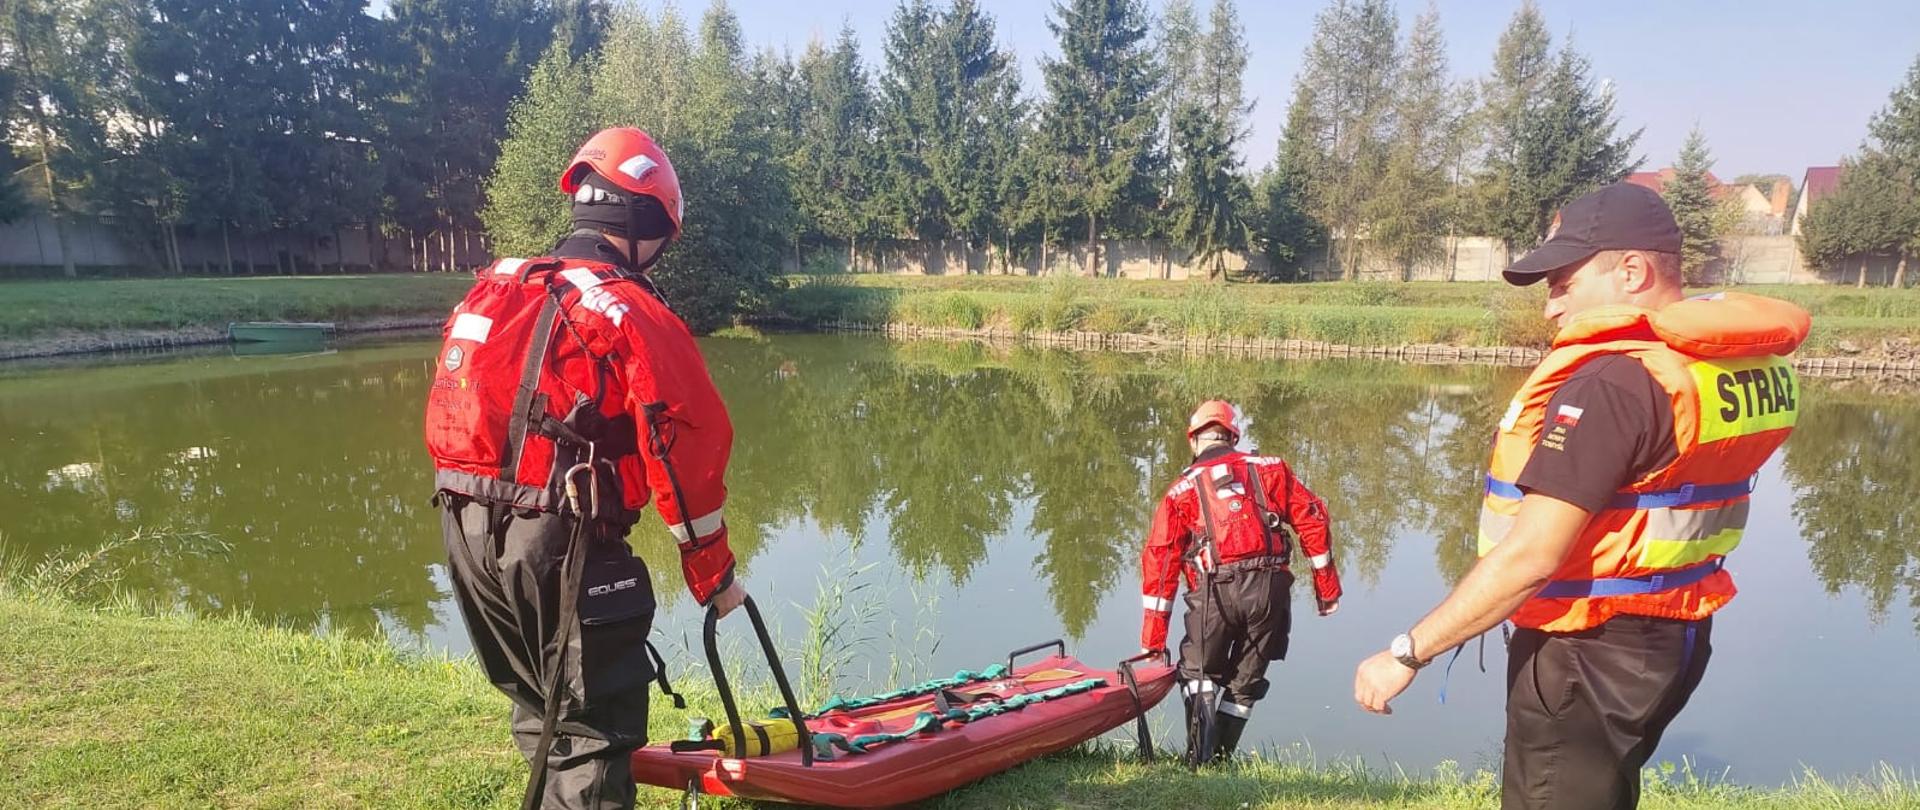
x: 637, y: 166
x: 1321, y: 560
x: 1512, y: 416
x: 1235, y: 710
x: 508, y: 267
x: 469, y: 326
x: 1198, y: 687
x: 702, y: 526
x: 1156, y: 604
x: 581, y: 277
x: 604, y: 302
x: 1220, y: 472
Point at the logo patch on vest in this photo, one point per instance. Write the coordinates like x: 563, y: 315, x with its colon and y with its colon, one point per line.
x: 455, y: 356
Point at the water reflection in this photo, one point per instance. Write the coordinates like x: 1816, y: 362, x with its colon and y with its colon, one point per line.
x: 311, y: 470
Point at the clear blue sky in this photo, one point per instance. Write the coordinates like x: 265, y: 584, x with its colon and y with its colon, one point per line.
x: 1776, y: 85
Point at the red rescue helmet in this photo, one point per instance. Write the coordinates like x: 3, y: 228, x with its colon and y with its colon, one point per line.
x: 1213, y: 412
x: 631, y: 160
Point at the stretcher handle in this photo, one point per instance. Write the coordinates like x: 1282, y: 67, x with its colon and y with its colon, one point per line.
x: 1125, y: 668
x: 708, y: 633
x: 1057, y: 644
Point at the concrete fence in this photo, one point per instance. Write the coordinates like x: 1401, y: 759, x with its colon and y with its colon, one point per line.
x: 32, y: 244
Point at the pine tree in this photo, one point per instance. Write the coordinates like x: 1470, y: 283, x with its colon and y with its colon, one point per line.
x: 1690, y: 195
x: 1212, y: 196
x: 1286, y: 232
x: 909, y: 123
x: 835, y: 164
x: 1551, y: 133
x: 1223, y: 69
x: 1407, y: 212
x: 980, y: 105
x: 1347, y: 81
x: 1099, y: 116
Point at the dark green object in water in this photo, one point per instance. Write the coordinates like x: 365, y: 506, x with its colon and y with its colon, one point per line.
x: 279, y: 332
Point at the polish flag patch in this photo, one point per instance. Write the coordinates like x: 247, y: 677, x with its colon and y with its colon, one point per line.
x: 1568, y: 415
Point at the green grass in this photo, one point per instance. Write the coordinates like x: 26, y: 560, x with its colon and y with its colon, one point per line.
x: 120, y: 706
x: 1365, y: 314
x: 31, y: 308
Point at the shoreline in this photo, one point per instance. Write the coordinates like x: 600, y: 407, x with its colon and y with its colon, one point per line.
x: 1293, y: 349
x: 81, y: 342
x: 78, y: 343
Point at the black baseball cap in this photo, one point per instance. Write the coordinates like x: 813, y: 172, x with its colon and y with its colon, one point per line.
x: 1621, y: 216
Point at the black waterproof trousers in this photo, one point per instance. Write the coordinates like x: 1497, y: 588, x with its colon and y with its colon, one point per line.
x: 1586, y: 710
x: 506, y: 569
x: 1238, y: 620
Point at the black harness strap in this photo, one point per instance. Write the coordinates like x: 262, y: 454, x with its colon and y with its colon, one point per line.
x: 1268, y: 517
x: 523, y: 398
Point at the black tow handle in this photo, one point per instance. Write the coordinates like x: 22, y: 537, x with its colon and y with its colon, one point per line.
x: 1060, y: 648
x: 1125, y: 668
x: 708, y: 635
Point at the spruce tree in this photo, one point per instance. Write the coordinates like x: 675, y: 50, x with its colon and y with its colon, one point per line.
x: 1099, y: 119
x: 1690, y: 195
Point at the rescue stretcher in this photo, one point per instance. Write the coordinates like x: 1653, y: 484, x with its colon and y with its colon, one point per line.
x: 910, y: 744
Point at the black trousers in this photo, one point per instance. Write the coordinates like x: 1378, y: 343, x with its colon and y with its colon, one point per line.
x: 1236, y: 625
x: 506, y: 571
x: 1586, y: 710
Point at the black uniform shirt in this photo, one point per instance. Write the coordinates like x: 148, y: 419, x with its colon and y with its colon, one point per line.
x: 1609, y: 425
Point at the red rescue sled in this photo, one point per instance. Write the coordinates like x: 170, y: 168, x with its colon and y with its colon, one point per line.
x: 1018, y: 725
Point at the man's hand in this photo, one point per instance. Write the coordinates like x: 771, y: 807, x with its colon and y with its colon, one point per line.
x: 1330, y: 608
x: 725, y: 601
x: 1380, y: 678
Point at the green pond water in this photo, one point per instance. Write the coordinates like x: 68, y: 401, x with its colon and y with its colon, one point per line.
x: 969, y: 500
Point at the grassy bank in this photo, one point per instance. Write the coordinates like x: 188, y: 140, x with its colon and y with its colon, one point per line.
x: 1365, y: 314
x: 35, y: 308
x: 120, y: 707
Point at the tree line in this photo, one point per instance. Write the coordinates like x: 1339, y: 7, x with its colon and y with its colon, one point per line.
x: 1874, y: 212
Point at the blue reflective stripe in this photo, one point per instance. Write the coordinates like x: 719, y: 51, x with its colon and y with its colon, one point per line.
x: 1503, y: 489
x: 1629, y: 586
x: 1685, y: 496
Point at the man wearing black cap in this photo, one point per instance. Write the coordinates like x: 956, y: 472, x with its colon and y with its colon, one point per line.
x: 1619, y: 482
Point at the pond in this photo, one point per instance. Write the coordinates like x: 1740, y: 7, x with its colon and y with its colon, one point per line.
x: 964, y: 500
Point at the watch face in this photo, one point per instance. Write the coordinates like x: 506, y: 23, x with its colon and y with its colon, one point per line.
x: 1402, y: 646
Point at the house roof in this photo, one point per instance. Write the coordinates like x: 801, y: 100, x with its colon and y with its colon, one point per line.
x: 1658, y: 182
x: 1821, y: 181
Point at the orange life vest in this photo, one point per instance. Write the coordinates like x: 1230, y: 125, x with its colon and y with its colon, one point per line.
x: 1656, y: 549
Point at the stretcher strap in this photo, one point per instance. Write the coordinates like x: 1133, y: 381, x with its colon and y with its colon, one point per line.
x: 961, y: 678
x: 931, y: 722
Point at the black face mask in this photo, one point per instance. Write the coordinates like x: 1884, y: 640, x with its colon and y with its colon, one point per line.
x: 601, y: 206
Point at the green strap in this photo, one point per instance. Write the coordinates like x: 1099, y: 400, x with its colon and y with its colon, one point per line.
x: 961, y: 678
x: 932, y: 722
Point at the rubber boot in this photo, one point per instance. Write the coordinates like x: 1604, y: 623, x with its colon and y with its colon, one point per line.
x: 1201, y: 722
x: 1226, y: 732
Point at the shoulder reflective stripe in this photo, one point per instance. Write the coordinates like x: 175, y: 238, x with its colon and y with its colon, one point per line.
x: 508, y: 267
x: 468, y: 326
x: 1232, y: 709
x: 702, y: 526
x: 581, y: 278
x: 1743, y: 396
x: 1321, y: 560
x: 1503, y: 489
x: 1156, y: 604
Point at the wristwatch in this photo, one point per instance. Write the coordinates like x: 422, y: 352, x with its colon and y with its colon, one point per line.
x: 1402, y: 650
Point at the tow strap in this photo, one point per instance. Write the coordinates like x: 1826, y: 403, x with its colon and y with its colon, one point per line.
x: 929, y: 722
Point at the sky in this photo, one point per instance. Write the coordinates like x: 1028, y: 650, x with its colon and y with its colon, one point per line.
x: 1775, y: 85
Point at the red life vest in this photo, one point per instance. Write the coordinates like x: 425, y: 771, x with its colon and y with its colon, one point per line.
x: 499, y: 416
x: 1233, y: 522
